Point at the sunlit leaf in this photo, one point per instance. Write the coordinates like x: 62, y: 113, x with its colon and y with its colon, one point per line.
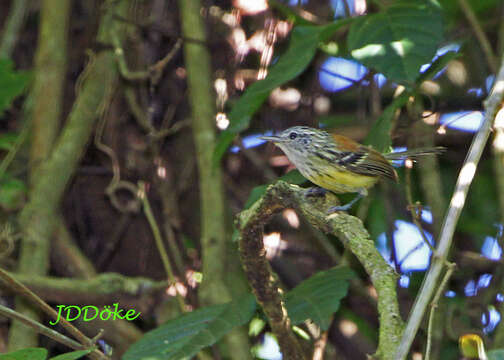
x: 12, y: 83
x: 398, y: 40
x: 186, y: 335
x: 471, y: 346
x: 74, y: 355
x: 318, y: 297
x: 26, y: 354
x: 303, y: 45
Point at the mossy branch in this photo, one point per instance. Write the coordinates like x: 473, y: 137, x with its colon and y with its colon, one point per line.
x: 354, y: 237
x: 105, y: 288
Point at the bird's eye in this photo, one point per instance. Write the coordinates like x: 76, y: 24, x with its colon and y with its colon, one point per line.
x: 292, y: 135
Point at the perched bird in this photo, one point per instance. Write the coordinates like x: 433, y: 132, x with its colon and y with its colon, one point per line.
x: 337, y: 163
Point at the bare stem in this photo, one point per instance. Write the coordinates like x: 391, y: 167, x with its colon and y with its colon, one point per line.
x: 41, y: 329
x: 457, y: 202
x: 449, y: 272
x: 159, y: 242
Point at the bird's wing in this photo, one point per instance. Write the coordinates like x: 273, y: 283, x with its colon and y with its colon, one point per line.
x: 362, y: 160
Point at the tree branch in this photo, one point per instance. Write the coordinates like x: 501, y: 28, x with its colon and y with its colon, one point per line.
x: 457, y: 202
x: 354, y: 237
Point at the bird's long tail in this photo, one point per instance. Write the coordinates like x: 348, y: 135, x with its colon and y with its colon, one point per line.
x: 414, y: 153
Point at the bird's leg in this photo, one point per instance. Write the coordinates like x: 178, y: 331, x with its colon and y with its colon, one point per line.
x: 315, y: 192
x: 362, y: 192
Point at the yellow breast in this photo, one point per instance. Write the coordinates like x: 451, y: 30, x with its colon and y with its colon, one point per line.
x: 342, y: 181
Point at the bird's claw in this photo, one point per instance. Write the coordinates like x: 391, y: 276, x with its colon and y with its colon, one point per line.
x: 315, y: 192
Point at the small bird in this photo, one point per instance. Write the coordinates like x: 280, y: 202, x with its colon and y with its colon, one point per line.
x: 337, y: 163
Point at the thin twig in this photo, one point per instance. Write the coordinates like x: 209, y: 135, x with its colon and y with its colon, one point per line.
x: 13, y: 26
x: 434, y: 305
x: 41, y: 329
x: 457, y: 202
x: 23, y: 291
x: 159, y: 241
x: 416, y: 210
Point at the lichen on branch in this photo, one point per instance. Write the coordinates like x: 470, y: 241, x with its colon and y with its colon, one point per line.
x: 351, y: 233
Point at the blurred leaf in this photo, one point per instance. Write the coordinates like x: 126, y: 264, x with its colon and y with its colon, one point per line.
x: 26, y: 354
x: 186, y: 335
x: 303, y: 45
x: 256, y: 326
x: 471, y: 346
x: 496, y: 354
x: 399, y: 39
x: 379, y: 136
x: 74, y: 355
x: 7, y: 140
x: 12, y: 83
x: 288, y: 12
x: 438, y: 65
x: 12, y: 194
x: 318, y: 297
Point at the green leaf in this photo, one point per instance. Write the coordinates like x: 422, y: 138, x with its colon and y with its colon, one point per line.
x: 186, y: 335
x: 318, y: 297
x: 379, y: 136
x: 12, y: 194
x: 398, y: 40
x: 74, y: 355
x: 26, y: 354
x: 496, y: 354
x: 12, y: 83
x: 7, y: 140
x: 303, y: 45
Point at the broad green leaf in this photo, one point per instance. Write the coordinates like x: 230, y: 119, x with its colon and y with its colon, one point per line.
x: 318, y: 297
x: 7, y: 141
x: 379, y: 136
x: 12, y: 193
x: 186, y: 335
x: 12, y: 83
x: 496, y: 354
x: 399, y: 39
x: 74, y: 355
x: 26, y: 354
x: 302, y: 48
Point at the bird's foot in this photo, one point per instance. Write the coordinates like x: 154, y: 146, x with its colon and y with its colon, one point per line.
x: 348, y: 205
x: 315, y: 192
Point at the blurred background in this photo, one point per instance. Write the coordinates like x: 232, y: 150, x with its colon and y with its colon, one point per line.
x: 144, y: 132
